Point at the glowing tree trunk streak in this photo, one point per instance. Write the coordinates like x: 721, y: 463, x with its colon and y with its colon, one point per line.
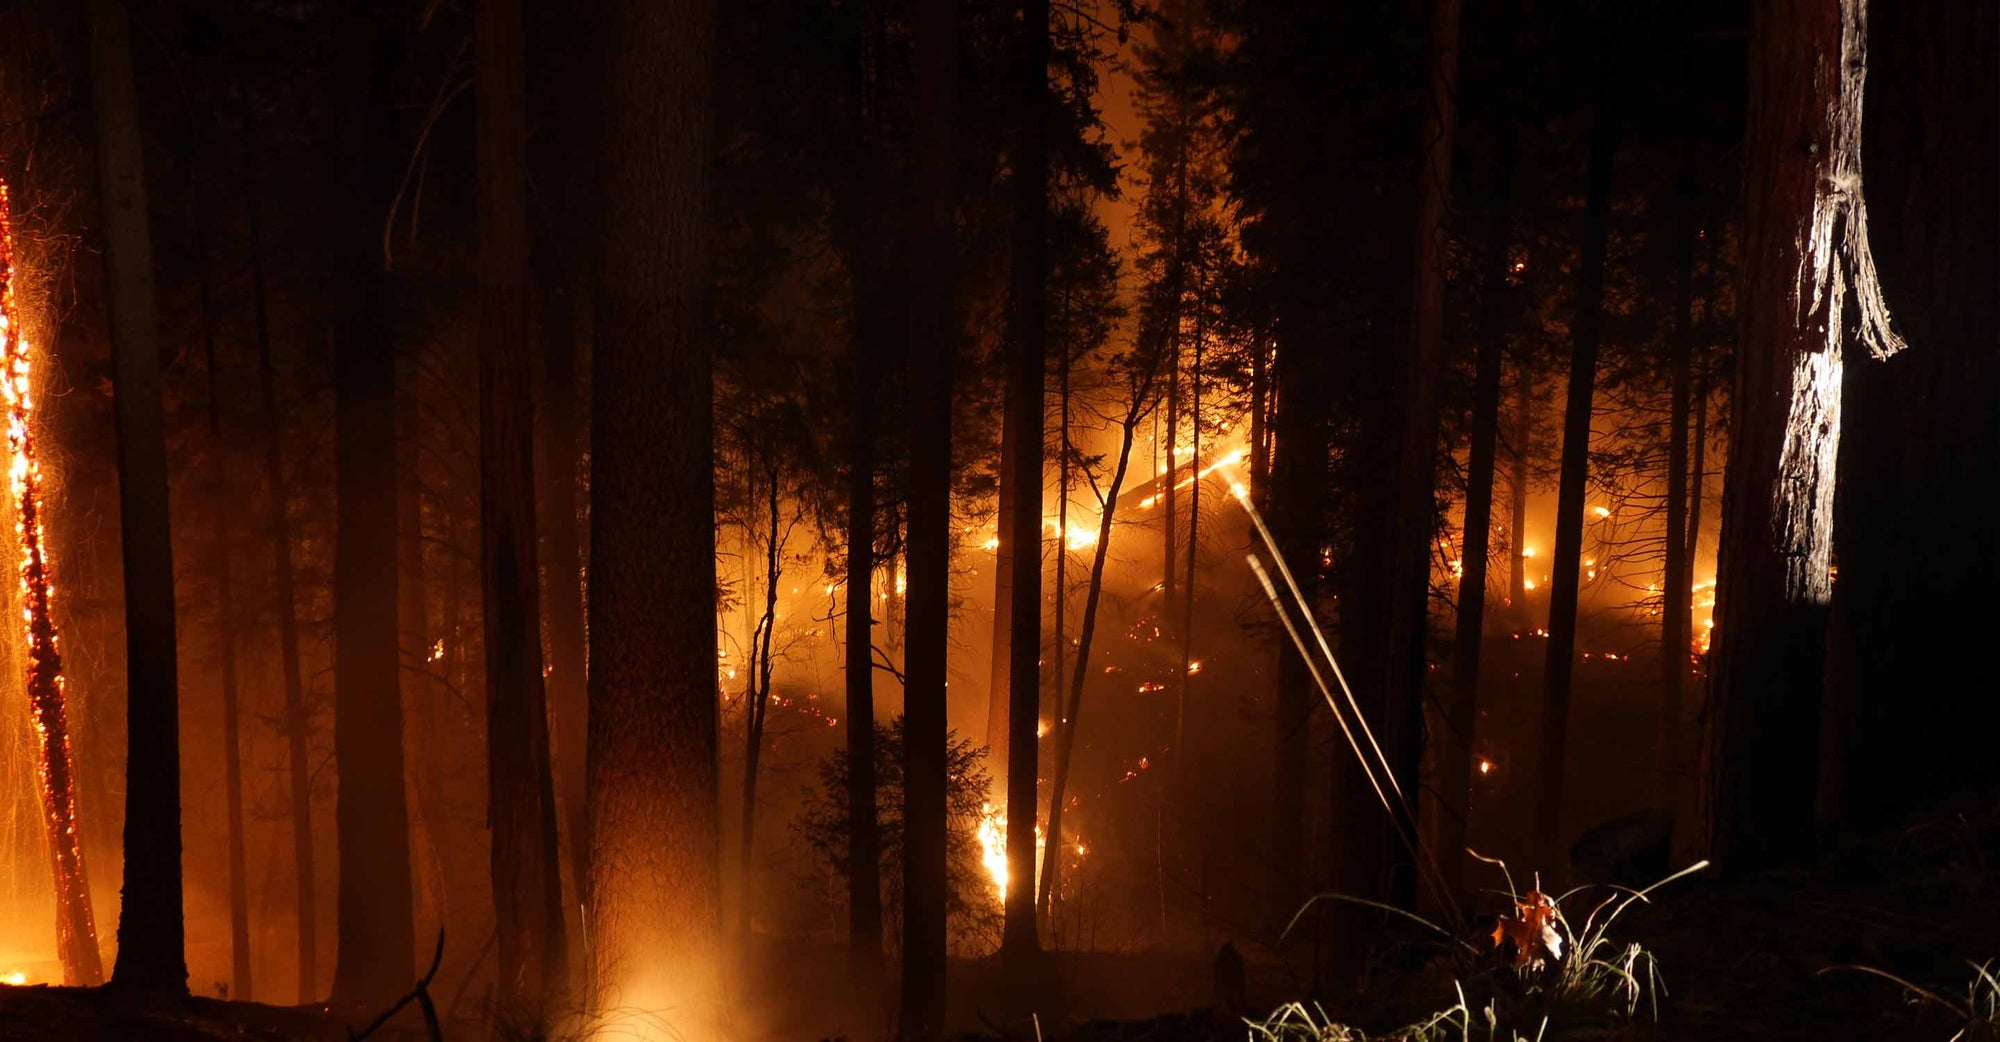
x: 76, y: 931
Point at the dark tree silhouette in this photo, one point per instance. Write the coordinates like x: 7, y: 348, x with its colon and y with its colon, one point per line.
x: 1028, y: 326
x: 932, y: 341
x: 526, y: 859
x: 151, y: 934
x: 1586, y: 331
x: 376, y: 959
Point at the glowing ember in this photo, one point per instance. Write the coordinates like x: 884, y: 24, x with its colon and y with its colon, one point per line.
x: 76, y: 932
x: 1485, y: 766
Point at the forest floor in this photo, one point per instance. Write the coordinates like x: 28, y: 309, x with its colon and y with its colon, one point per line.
x: 1766, y: 957
x: 41, y: 1013
x: 1769, y: 957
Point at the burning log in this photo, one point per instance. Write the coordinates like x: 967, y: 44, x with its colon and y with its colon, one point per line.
x: 76, y: 930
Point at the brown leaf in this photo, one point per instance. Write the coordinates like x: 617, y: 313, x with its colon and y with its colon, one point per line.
x: 1531, y: 929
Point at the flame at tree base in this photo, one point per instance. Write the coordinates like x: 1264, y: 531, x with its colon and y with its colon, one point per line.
x: 993, y: 847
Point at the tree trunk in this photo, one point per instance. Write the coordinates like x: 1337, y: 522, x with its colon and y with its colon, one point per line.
x: 1805, y: 239
x: 1260, y: 425
x: 54, y: 764
x: 999, y: 688
x: 526, y: 852
x: 1416, y: 494
x: 151, y: 934
x: 429, y: 836
x: 1028, y: 309
x: 222, y: 508
x: 565, y: 324
x: 278, y: 523
x: 562, y: 169
x: 1066, y: 713
x: 1557, y: 672
x: 1524, y: 439
x: 376, y: 957
x: 652, y: 761
x: 1455, y: 765
x: 1919, y: 552
x: 864, y: 841
x: 1299, y: 457
x: 933, y: 340
x: 757, y: 700
x: 1675, y: 595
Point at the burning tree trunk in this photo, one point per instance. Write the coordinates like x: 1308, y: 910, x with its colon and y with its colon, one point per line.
x: 931, y: 345
x: 76, y: 928
x: 376, y: 956
x: 1557, y: 673
x: 526, y: 858
x: 1028, y: 312
x: 1809, y: 288
x: 654, y: 904
x: 1455, y: 764
x: 221, y: 509
x: 151, y: 933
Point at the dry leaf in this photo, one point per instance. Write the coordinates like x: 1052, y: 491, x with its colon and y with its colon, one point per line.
x: 1532, y: 929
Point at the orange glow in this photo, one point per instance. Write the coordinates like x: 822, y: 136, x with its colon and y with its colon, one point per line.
x: 76, y: 932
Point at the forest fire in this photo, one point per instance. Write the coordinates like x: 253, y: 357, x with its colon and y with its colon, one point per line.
x: 76, y: 931
x: 595, y: 521
x: 993, y: 847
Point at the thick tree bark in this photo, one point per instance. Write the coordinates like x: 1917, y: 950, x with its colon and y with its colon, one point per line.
x: 1455, y: 764
x: 1028, y: 311
x: 1919, y: 553
x: 932, y: 343
x: 278, y: 530
x: 376, y: 958
x: 652, y: 769
x: 526, y: 855
x: 1585, y: 332
x: 151, y: 934
x: 1805, y: 251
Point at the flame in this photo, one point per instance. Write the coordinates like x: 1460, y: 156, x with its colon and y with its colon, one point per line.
x: 76, y: 932
x: 1485, y: 766
x: 993, y: 847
